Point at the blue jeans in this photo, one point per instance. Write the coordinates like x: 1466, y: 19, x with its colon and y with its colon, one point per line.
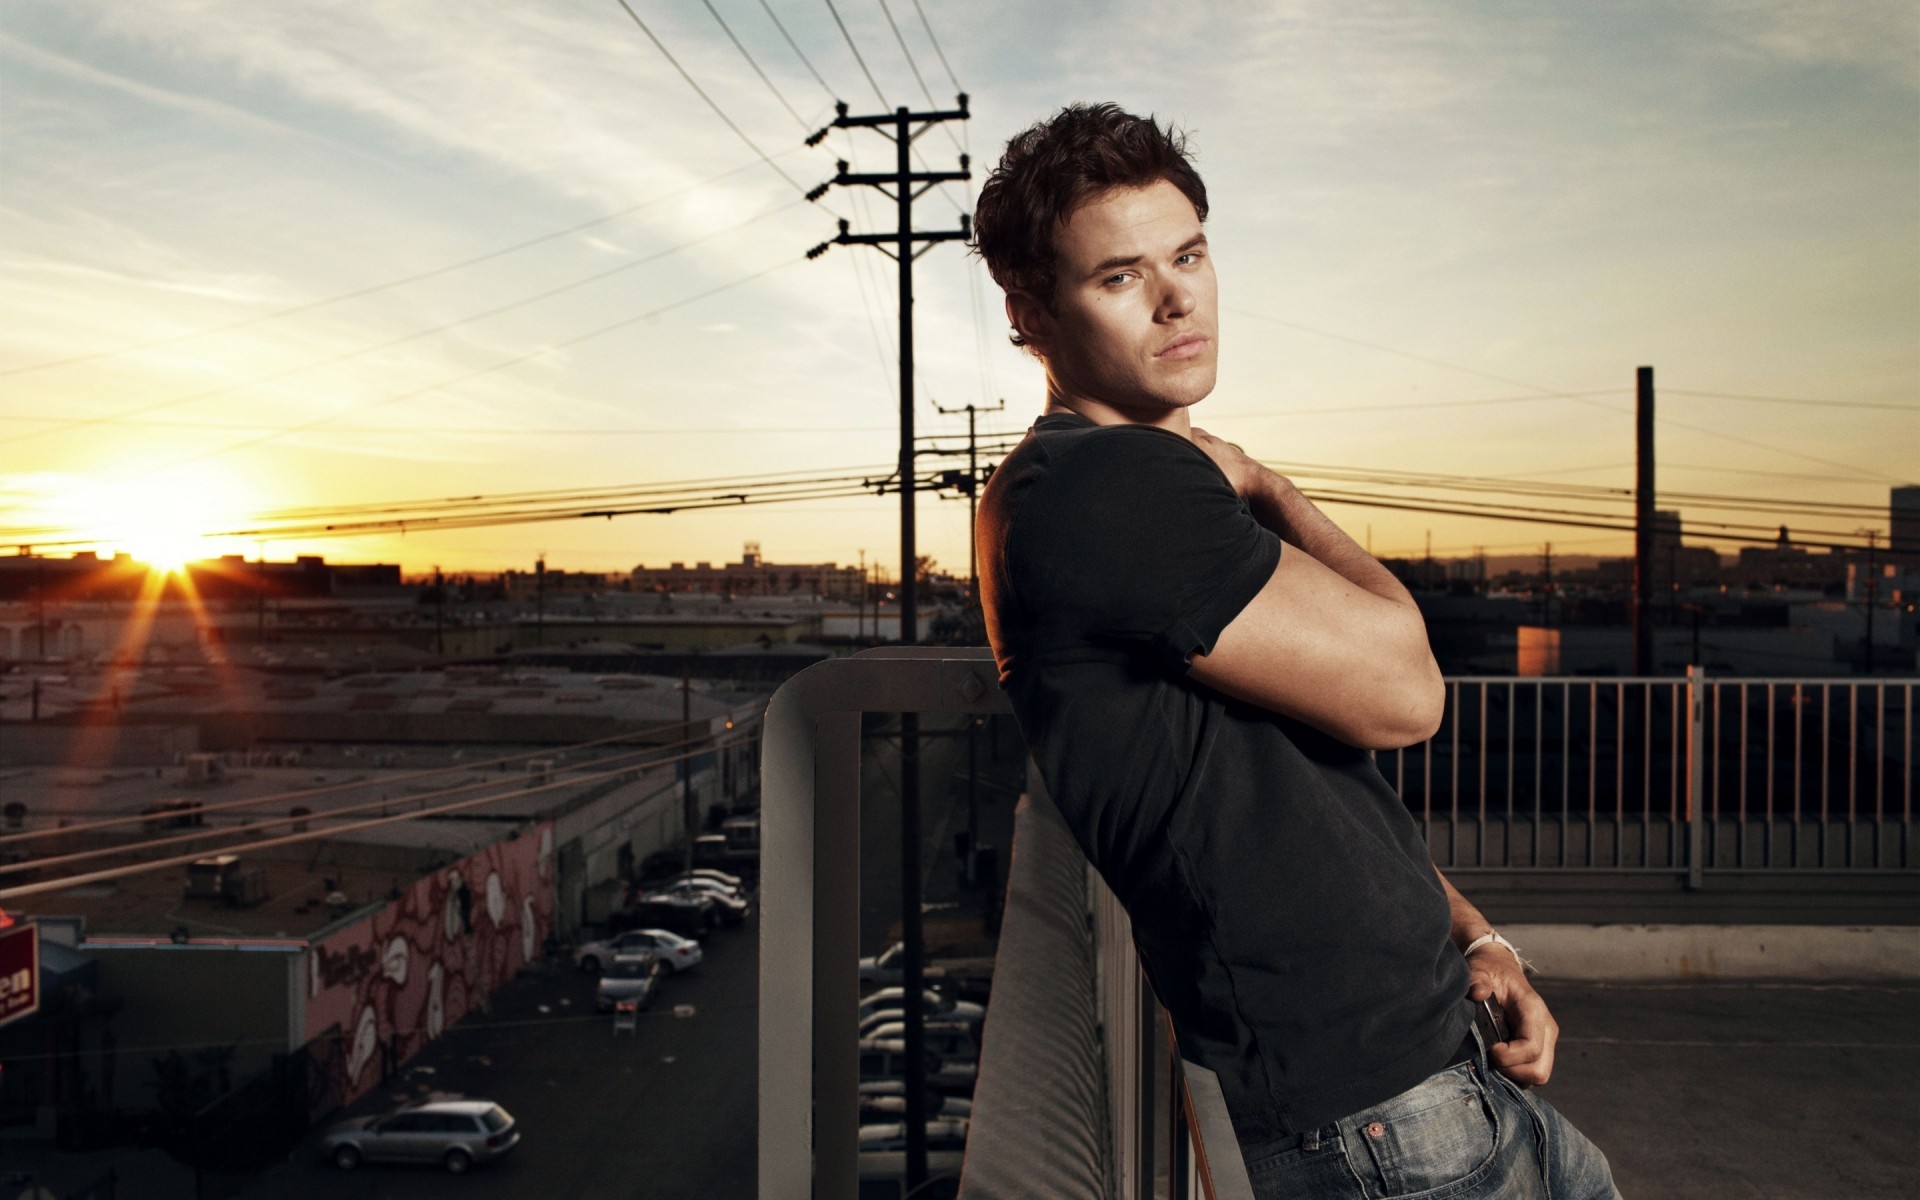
x: 1466, y: 1133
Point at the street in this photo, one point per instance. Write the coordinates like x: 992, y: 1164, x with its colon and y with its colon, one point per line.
x: 663, y: 1113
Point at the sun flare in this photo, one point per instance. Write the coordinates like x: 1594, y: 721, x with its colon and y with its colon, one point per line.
x: 164, y: 525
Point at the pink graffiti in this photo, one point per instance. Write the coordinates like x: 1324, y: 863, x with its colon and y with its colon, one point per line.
x: 446, y: 944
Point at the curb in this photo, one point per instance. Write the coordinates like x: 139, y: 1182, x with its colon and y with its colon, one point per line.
x: 1709, y: 952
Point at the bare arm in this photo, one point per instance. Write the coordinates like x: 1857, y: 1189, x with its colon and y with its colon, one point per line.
x: 1494, y: 971
x: 1333, y: 639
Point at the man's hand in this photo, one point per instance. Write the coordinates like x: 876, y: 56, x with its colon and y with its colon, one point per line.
x: 1246, y: 475
x: 1527, y: 1056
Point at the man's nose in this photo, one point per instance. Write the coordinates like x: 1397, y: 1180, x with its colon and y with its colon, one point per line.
x: 1176, y: 299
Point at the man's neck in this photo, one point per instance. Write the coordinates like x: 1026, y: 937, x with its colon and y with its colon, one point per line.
x: 1173, y: 420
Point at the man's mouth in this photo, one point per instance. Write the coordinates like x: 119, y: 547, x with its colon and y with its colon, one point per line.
x: 1187, y: 345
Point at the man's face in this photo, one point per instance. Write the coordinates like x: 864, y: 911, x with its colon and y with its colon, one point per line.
x: 1132, y: 334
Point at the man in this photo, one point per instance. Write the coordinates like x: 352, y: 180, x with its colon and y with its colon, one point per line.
x: 1200, y: 661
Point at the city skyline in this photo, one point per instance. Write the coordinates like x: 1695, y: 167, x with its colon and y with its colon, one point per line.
x: 1446, y: 239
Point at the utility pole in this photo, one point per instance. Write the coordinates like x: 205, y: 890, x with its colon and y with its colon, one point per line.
x: 40, y: 603
x: 1643, y: 524
x: 1872, y: 593
x: 971, y: 486
x: 540, y: 601
x: 689, y: 812
x: 439, y: 613
x: 260, y: 592
x: 906, y: 185
x: 1546, y: 587
x: 907, y: 126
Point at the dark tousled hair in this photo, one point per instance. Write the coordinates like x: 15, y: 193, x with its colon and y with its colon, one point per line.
x: 1054, y: 167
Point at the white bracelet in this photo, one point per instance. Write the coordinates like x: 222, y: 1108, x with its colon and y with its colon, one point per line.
x: 1496, y: 940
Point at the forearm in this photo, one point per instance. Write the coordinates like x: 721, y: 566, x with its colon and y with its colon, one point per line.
x: 1279, y: 506
x: 1468, y: 923
x: 1495, y: 972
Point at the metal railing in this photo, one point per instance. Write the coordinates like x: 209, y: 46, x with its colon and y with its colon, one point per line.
x: 809, y: 903
x: 1082, y: 1090
x: 1689, y: 775
x: 810, y: 897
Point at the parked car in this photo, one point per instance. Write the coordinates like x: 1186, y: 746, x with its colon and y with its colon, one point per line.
x: 943, y: 1133
x: 456, y: 1134
x: 729, y: 909
x: 952, y: 1041
x: 880, y: 1018
x: 710, y: 849
x: 886, y: 1100
x: 961, y: 975
x: 706, y: 883
x: 886, y: 1058
x: 629, y: 977
x: 934, y: 1005
x: 736, y: 882
x: 688, y: 916
x: 678, y: 953
x: 742, y: 834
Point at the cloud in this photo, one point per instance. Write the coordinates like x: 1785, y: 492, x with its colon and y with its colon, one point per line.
x: 1876, y: 35
x: 223, y: 114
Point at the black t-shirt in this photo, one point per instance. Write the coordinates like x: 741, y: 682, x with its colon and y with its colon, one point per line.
x: 1282, y: 899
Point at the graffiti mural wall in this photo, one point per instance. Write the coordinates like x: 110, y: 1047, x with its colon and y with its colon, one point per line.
x: 395, y: 981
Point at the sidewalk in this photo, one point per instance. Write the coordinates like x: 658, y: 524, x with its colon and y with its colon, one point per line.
x: 1781, y: 1091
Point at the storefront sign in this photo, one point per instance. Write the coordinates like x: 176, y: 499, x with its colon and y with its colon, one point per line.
x: 19, y: 971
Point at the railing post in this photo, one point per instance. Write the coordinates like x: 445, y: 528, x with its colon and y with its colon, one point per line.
x: 1696, y: 775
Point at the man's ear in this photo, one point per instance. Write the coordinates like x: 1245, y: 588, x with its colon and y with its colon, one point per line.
x: 1031, y: 320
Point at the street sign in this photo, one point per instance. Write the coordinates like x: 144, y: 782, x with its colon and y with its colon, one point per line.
x: 19, y: 971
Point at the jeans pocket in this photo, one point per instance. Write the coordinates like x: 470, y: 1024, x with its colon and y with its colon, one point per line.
x: 1430, y: 1139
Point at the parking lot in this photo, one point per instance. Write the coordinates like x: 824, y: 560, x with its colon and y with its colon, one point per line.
x: 664, y: 1112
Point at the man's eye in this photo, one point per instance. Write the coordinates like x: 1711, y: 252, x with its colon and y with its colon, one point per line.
x: 1191, y: 256
x: 1120, y: 278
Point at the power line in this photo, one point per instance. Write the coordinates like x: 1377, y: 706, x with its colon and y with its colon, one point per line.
x: 1410, y: 406
x: 1812, y: 458
x: 1849, y: 480
x: 374, y: 289
x: 928, y: 26
x: 1511, y: 486
x: 347, y: 356
x: 578, y: 495
x: 1538, y: 509
x: 908, y: 55
x: 861, y: 267
x: 717, y: 110
x: 856, y: 54
x: 488, y: 431
x: 1549, y: 392
x: 1541, y: 488
x: 726, y: 29
x: 917, y: 77
x: 1673, y: 391
x: 1592, y: 521
x: 798, y: 53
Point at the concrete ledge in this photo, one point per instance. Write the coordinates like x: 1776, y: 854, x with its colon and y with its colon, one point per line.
x: 1704, y: 952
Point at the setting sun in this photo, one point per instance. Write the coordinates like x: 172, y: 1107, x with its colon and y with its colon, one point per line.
x: 162, y: 524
